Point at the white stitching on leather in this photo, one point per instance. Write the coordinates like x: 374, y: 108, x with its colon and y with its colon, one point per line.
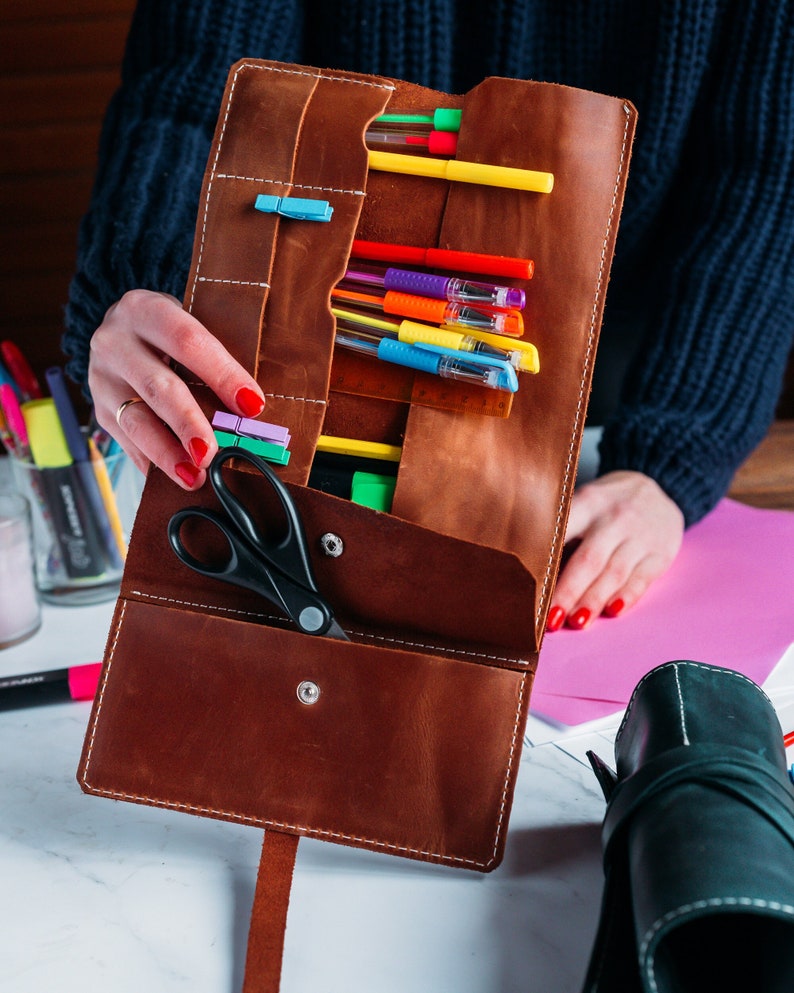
x: 582, y: 399
x: 318, y: 75
x: 283, y: 396
x: 222, y: 135
x: 296, y: 828
x: 294, y: 186
x: 696, y: 665
x: 681, y: 708
x: 741, y: 901
x: 233, y: 282
x: 359, y: 634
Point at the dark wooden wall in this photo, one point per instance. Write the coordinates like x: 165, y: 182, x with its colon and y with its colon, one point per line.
x: 59, y: 65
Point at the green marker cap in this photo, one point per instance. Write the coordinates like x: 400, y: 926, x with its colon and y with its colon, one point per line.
x: 447, y: 119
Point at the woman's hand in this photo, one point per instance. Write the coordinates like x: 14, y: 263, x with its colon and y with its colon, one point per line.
x: 130, y: 353
x: 626, y: 532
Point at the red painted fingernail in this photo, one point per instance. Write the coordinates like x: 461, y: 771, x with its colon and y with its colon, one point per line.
x: 614, y: 608
x: 198, y: 449
x: 187, y: 472
x: 579, y: 618
x: 555, y: 618
x: 249, y: 402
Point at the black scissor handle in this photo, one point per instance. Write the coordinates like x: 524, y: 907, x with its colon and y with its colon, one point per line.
x: 245, y: 567
x: 228, y: 570
x: 290, y: 553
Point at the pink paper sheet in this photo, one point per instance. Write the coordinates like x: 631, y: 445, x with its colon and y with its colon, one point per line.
x: 728, y: 599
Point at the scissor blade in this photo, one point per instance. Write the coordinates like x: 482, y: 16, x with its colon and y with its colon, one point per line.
x: 334, y: 631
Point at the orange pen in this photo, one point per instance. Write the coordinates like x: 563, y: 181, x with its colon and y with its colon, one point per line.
x: 436, y: 311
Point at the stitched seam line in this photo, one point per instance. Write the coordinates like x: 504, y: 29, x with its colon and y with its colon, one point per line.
x: 294, y: 186
x: 359, y: 634
x: 272, y: 396
x: 316, y: 832
x: 317, y: 75
x: 101, y: 695
x: 222, y: 135
x: 681, y: 709
x: 695, y: 665
x: 581, y: 402
x: 741, y: 901
x: 233, y: 282
x: 503, y: 804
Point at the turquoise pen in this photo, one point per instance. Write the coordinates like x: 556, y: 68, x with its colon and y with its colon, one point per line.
x: 448, y: 363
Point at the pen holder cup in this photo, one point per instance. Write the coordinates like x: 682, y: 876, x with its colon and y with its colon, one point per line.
x: 20, y: 612
x: 82, y: 518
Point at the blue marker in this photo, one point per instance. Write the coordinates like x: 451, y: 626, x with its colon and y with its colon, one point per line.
x: 480, y: 370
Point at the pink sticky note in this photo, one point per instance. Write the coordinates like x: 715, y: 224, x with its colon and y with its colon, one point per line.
x: 728, y: 599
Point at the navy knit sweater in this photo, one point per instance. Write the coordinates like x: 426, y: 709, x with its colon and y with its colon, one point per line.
x: 702, y: 288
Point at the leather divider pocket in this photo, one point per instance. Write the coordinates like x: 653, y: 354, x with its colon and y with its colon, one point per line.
x: 381, y: 759
x: 395, y: 583
x: 287, y: 131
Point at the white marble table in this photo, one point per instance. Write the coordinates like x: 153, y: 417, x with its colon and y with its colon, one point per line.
x: 100, y: 895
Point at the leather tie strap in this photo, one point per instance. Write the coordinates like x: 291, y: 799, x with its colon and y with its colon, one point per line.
x: 269, y: 913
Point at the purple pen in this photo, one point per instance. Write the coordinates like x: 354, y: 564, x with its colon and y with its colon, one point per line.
x: 450, y: 288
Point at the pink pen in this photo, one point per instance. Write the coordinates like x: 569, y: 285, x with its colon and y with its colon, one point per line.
x: 78, y: 682
x: 15, y: 422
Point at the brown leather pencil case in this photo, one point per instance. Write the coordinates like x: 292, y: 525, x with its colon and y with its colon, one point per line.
x: 413, y: 745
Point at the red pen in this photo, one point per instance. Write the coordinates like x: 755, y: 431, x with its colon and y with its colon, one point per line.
x: 788, y: 739
x: 19, y: 368
x: 444, y: 258
x: 78, y: 682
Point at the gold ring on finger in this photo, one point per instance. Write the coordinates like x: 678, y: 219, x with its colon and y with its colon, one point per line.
x: 123, y: 406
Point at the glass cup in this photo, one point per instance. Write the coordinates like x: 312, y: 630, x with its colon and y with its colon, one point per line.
x: 20, y: 611
x: 82, y: 517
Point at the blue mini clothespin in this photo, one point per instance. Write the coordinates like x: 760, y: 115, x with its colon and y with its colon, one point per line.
x: 298, y: 208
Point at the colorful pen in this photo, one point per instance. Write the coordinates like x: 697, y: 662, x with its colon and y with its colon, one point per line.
x: 443, y: 362
x: 95, y: 483
x: 459, y: 171
x: 432, y: 143
x: 7, y: 379
x: 442, y: 119
x: 426, y: 284
x: 78, y: 682
x: 522, y: 355
x: 105, y: 487
x: 8, y: 440
x: 444, y: 258
x: 435, y: 311
x: 413, y: 333
x: 74, y: 522
x: 18, y: 366
x: 15, y: 421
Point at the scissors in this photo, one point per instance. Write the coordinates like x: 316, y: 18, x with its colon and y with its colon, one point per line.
x: 279, y: 570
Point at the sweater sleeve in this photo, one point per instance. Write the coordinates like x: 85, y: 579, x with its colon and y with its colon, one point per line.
x: 138, y: 231
x: 703, y: 388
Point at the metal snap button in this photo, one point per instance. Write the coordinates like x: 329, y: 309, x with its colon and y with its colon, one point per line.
x: 332, y: 545
x: 308, y: 692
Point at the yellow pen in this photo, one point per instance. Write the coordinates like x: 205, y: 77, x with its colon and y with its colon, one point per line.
x: 459, y: 171
x: 523, y: 356
x: 108, y: 498
x: 363, y: 449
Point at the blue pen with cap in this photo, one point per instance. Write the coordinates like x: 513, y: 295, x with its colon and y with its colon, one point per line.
x: 479, y: 370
